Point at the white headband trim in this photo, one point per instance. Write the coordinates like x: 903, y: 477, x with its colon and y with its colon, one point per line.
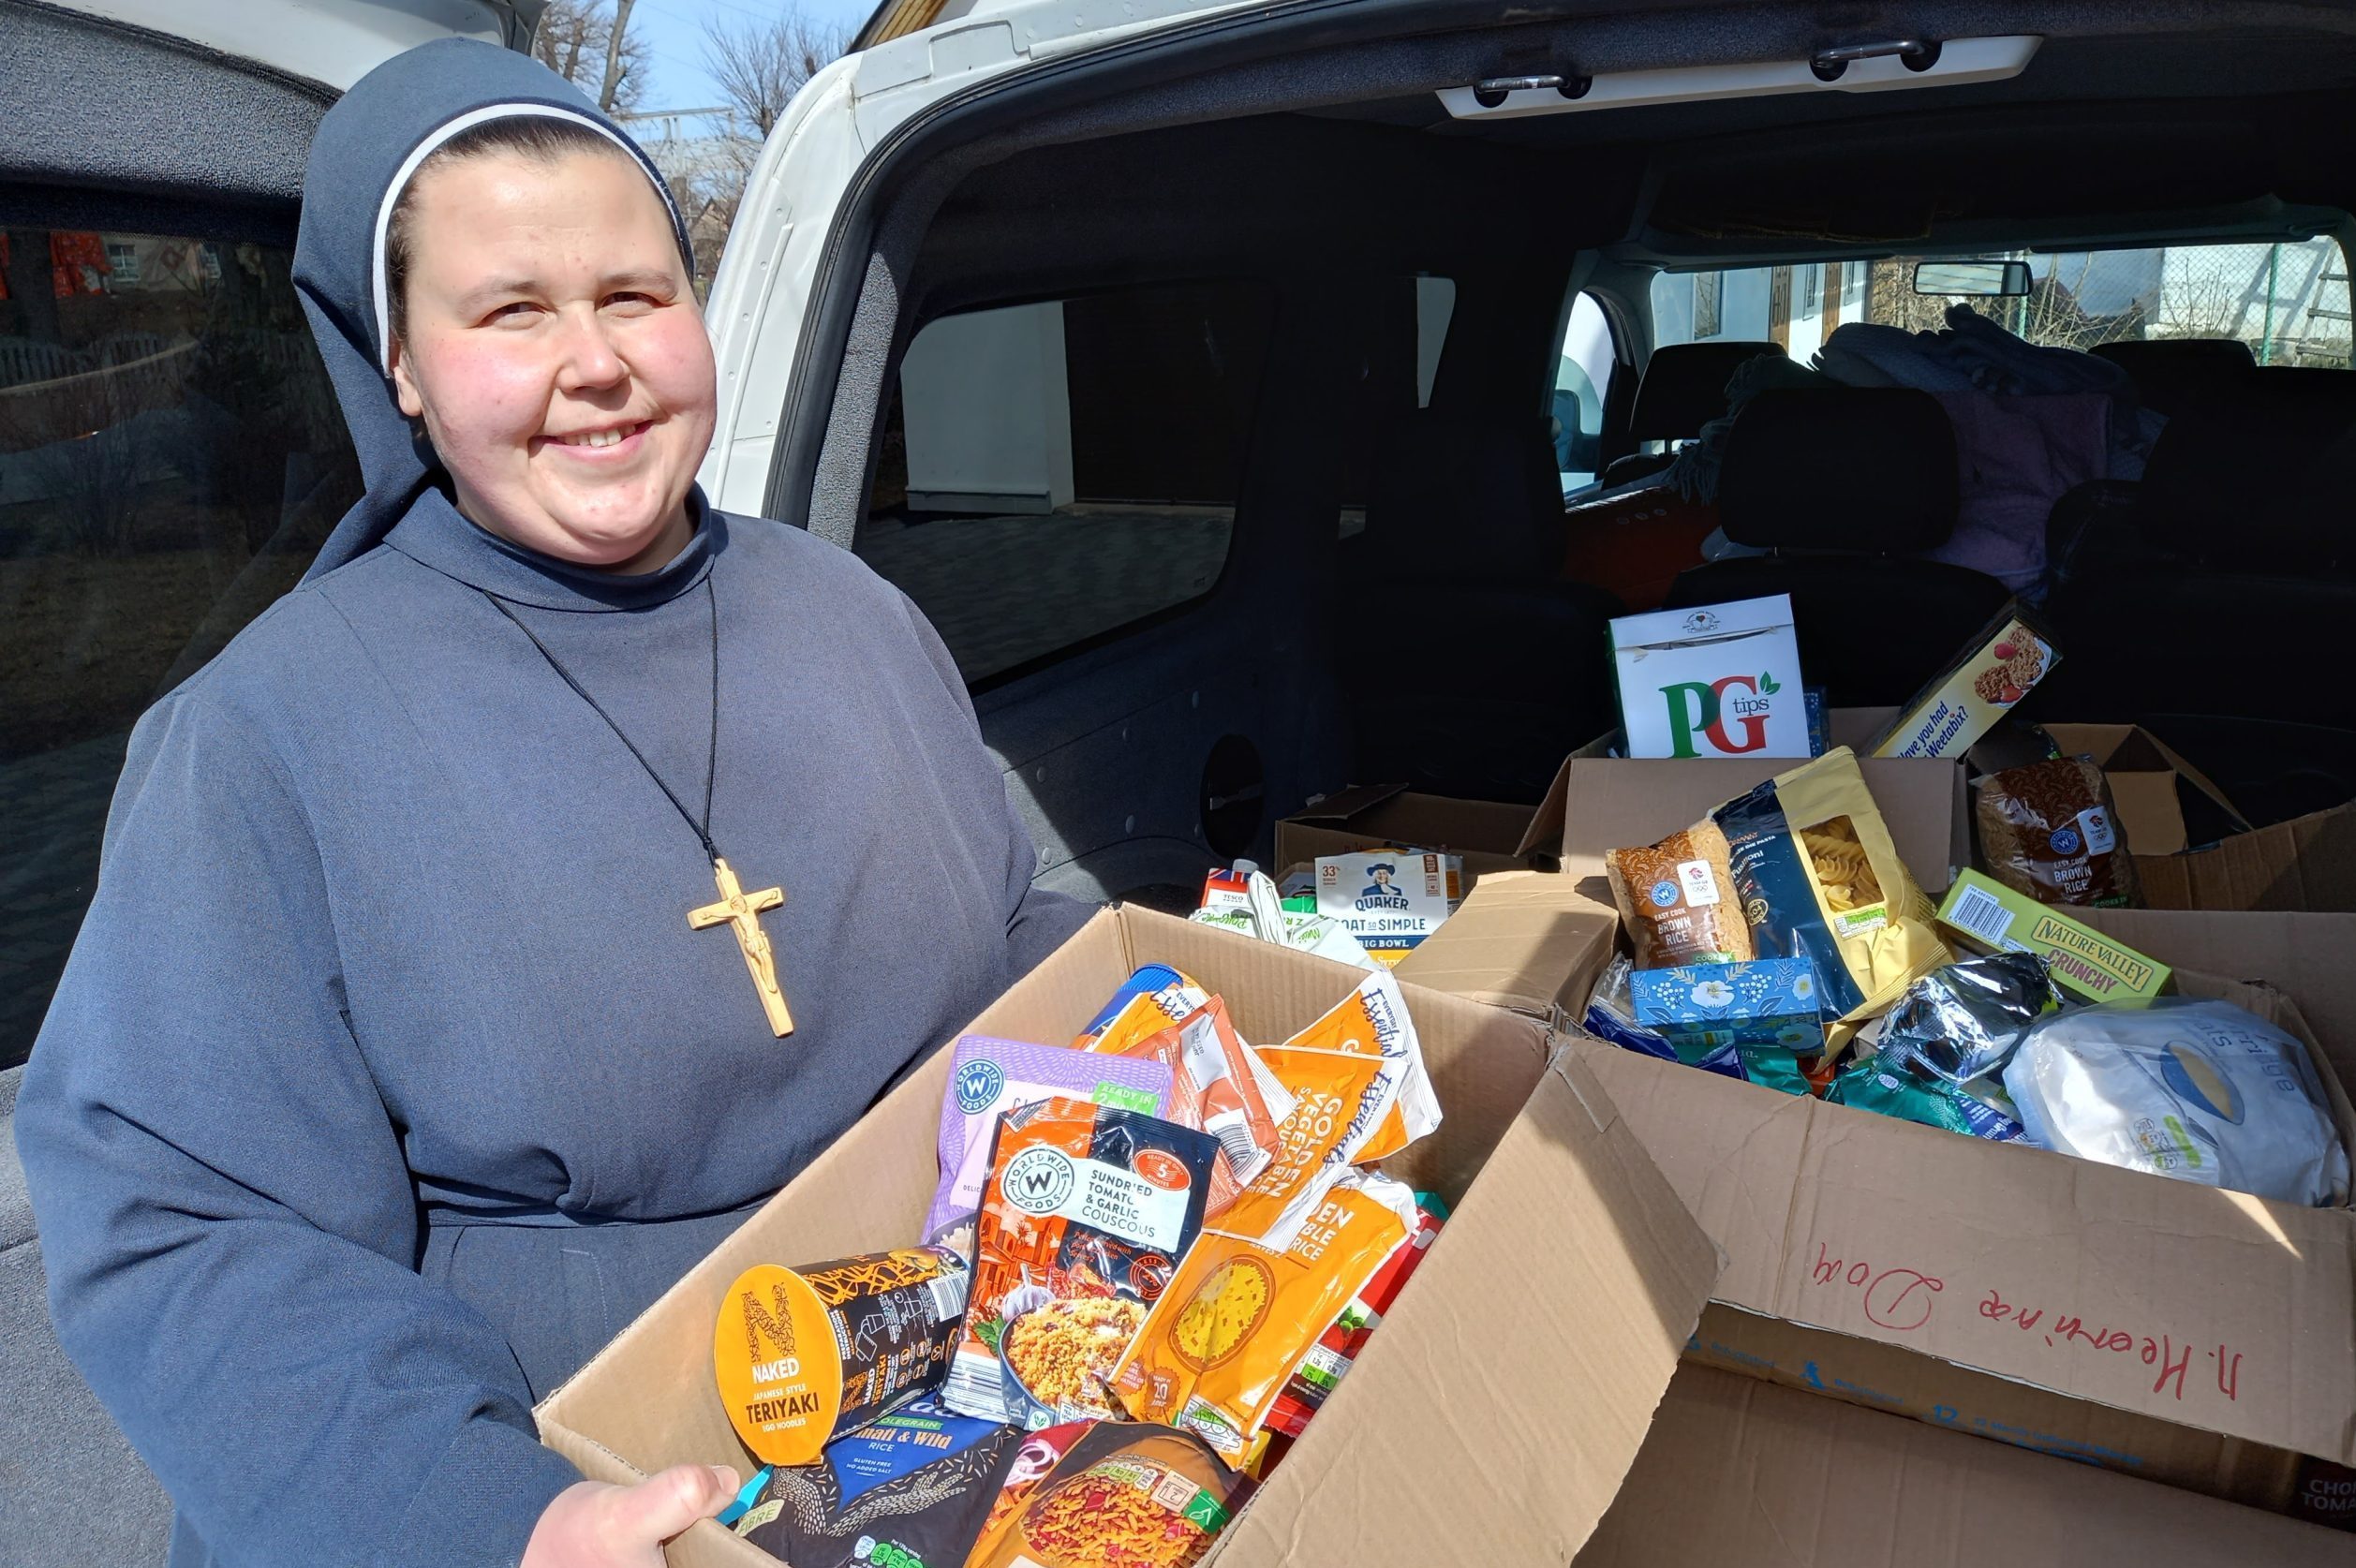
x: 381, y: 289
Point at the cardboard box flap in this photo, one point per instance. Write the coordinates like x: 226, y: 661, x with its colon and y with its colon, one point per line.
x: 1485, y: 833
x: 1550, y: 1315
x: 2308, y: 955
x: 1737, y: 1471
x: 1521, y: 939
x: 1573, y: 1267
x: 2200, y: 1307
x: 2142, y: 771
x: 1338, y: 807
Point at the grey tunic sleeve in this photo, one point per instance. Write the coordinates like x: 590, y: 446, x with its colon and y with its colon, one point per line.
x: 227, y: 1217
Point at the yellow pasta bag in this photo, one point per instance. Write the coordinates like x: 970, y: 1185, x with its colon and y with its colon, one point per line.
x: 1819, y: 877
x: 1225, y: 1337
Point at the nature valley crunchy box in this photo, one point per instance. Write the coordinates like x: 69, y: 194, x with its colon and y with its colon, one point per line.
x: 1717, y: 680
x: 2008, y: 657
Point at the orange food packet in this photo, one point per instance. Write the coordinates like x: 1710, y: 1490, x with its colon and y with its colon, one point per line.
x: 1225, y: 1338
x: 1220, y: 1086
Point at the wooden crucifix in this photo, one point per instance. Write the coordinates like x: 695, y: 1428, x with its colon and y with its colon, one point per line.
x: 743, y: 910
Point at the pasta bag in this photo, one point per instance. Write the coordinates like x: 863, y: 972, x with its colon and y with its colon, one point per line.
x: 1819, y: 877
x: 1223, y: 1339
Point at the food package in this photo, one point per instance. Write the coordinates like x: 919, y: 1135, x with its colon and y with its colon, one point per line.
x: 806, y: 1355
x: 1125, y: 1495
x: 1337, y: 1349
x: 1818, y: 877
x: 2083, y: 961
x: 1979, y: 1111
x: 1219, y: 1085
x: 1389, y: 899
x: 1699, y: 1008
x: 988, y: 1077
x: 1716, y: 680
x: 1084, y: 1216
x: 1610, y: 1016
x: 1359, y: 1093
x: 1152, y: 981
x: 2201, y: 1091
x: 2050, y: 831
x: 1967, y: 698
x: 1224, y: 1338
x: 1678, y: 902
x: 1250, y: 905
x: 1034, y: 1461
x: 910, y: 1489
x: 1961, y: 1022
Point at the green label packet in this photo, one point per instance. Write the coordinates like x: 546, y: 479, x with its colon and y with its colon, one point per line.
x: 2088, y: 964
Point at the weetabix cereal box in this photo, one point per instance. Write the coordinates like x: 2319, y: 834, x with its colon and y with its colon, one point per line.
x: 2009, y: 656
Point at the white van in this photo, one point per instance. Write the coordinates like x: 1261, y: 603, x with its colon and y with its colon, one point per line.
x: 1212, y: 374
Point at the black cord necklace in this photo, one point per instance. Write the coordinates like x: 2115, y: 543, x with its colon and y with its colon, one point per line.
x: 735, y: 906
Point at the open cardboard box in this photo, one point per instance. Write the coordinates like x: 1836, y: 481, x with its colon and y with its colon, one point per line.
x: 1739, y: 1471
x: 1526, y: 940
x: 2308, y: 864
x: 1485, y: 833
x: 1493, y: 1415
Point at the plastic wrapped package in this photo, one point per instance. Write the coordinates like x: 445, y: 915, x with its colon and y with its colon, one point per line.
x: 2200, y: 1091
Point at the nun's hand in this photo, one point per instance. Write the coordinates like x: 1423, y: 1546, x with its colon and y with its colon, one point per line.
x: 593, y: 1524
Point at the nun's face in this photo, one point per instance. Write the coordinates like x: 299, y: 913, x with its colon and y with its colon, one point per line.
x: 554, y: 350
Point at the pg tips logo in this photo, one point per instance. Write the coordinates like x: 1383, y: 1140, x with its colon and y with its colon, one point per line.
x: 1709, y: 708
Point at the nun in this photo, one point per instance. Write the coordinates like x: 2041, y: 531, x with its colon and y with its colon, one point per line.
x: 535, y: 889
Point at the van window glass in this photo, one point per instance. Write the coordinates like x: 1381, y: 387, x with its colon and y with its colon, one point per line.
x: 1055, y: 473
x: 1435, y: 304
x: 1582, y: 379
x: 2288, y: 301
x: 171, y: 459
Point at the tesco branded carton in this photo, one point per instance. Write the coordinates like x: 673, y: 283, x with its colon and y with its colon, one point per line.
x: 1718, y: 680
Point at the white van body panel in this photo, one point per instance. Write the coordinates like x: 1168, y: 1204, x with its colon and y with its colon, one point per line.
x: 331, y: 41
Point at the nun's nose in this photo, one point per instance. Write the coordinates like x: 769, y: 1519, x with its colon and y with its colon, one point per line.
x: 590, y: 360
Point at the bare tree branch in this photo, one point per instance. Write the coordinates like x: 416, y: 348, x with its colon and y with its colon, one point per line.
x: 576, y: 38
x: 760, y: 66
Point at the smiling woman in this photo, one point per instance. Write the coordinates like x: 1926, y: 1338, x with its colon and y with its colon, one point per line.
x: 406, y: 932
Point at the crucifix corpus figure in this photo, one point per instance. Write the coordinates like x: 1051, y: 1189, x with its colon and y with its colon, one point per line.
x: 743, y: 910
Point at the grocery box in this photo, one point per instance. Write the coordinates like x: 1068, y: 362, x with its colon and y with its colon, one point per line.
x: 1486, y: 835
x: 1715, y: 680
x: 2183, y: 1333
x: 1737, y: 1471
x: 1601, y: 803
x: 1527, y: 941
x: 1493, y: 1414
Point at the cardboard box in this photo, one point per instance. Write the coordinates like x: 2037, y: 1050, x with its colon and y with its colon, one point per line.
x: 1527, y: 1353
x: 1982, y: 910
x: 1601, y: 803
x: 1485, y: 833
x: 2305, y: 955
x: 1718, y: 680
x: 1741, y: 1472
x: 2202, y: 1338
x: 1527, y: 941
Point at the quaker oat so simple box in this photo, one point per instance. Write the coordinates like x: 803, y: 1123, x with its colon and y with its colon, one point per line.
x: 1718, y: 680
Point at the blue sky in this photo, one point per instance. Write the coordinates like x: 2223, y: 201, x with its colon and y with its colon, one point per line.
x: 674, y: 30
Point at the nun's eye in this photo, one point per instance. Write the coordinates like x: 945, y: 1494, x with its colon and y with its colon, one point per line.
x: 515, y: 311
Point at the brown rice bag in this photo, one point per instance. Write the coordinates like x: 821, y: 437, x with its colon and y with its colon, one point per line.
x: 2050, y: 830
x: 1678, y: 902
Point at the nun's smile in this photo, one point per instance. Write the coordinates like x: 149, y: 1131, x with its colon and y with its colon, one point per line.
x: 554, y: 350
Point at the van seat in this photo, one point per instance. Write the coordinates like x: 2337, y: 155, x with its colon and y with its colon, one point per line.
x: 2171, y: 374
x: 1510, y: 668
x: 1839, y: 483
x: 1684, y: 387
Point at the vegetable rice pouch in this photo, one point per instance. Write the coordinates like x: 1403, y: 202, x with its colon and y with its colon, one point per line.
x: 988, y: 1077
x: 1085, y: 1214
x: 1818, y: 877
x: 1241, y: 1314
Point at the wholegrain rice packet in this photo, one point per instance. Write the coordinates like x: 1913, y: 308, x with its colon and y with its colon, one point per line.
x: 1085, y: 1214
x: 1125, y: 1495
x: 1243, y: 1312
x: 1221, y: 1085
x: 988, y: 1077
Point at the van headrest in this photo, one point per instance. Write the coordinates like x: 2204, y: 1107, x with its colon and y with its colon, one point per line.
x: 1466, y: 499
x: 1684, y: 387
x: 1869, y: 469
x: 2259, y: 481
x: 2168, y: 371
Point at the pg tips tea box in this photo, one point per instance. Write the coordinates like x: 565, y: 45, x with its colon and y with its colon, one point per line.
x: 1719, y: 680
x: 1389, y: 899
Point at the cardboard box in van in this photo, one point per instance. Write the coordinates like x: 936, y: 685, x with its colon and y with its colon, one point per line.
x: 2189, y: 1335
x: 1528, y: 940
x: 1493, y: 1415
x: 1740, y: 1472
x: 1484, y: 834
